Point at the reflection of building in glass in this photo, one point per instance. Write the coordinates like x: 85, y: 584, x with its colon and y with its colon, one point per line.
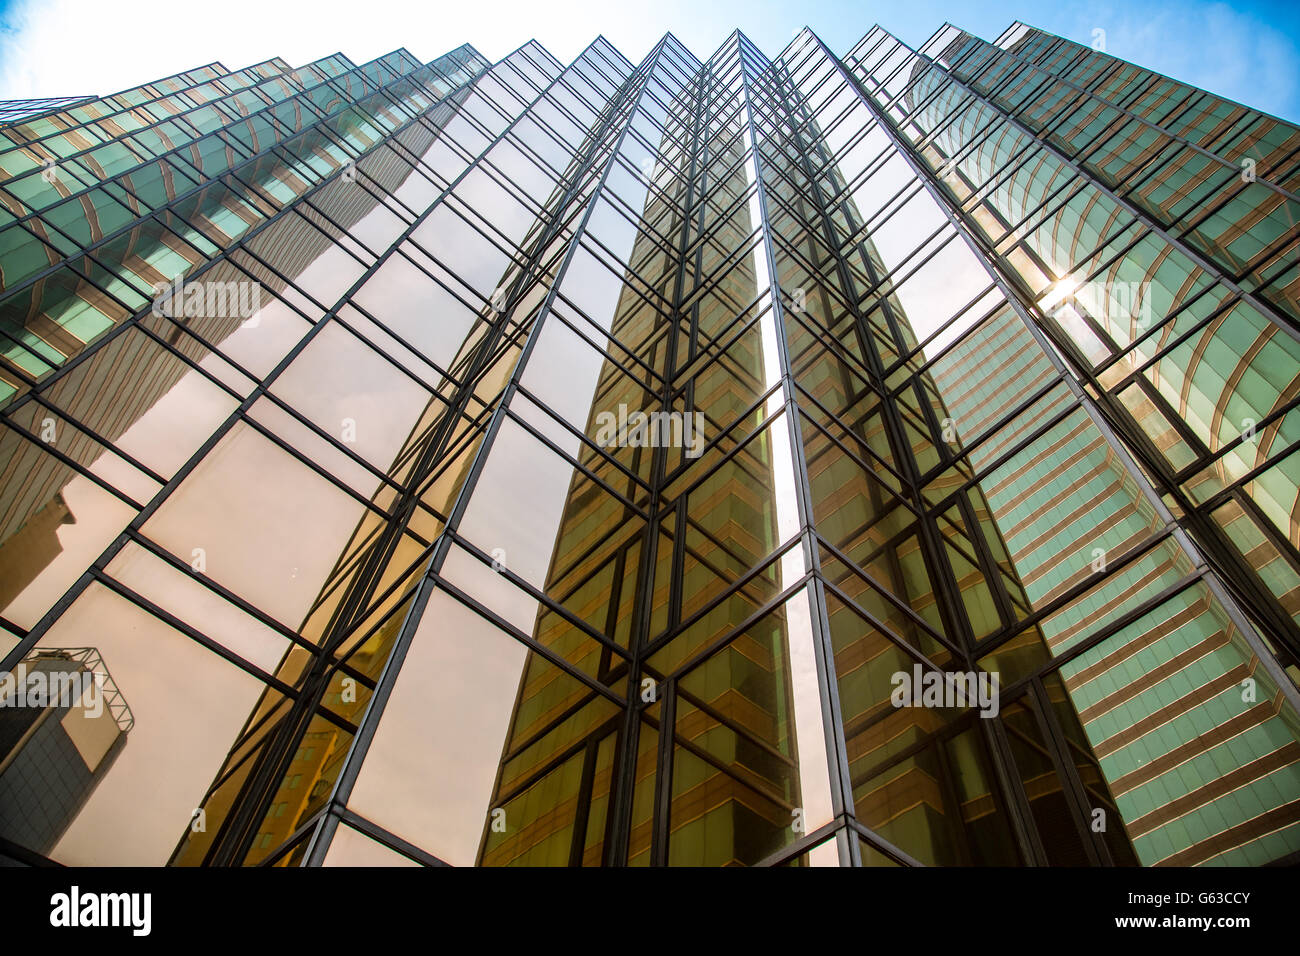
x: 31, y: 547
x: 1163, y: 675
x: 735, y: 783
x: 126, y: 378
x: 56, y: 744
x: 998, y: 360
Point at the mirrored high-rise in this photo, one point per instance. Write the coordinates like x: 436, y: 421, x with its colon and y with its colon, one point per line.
x: 870, y: 459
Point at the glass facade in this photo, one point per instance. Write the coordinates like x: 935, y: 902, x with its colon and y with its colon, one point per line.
x: 870, y: 460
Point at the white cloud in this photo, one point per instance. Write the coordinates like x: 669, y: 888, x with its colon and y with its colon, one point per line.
x: 77, y: 47
x: 66, y: 47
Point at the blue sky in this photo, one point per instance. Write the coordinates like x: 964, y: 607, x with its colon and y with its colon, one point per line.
x: 1248, y: 51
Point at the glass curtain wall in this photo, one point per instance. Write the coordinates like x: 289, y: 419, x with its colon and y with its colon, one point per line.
x: 523, y: 463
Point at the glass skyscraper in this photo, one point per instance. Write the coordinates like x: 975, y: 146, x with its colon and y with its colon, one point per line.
x: 878, y: 459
